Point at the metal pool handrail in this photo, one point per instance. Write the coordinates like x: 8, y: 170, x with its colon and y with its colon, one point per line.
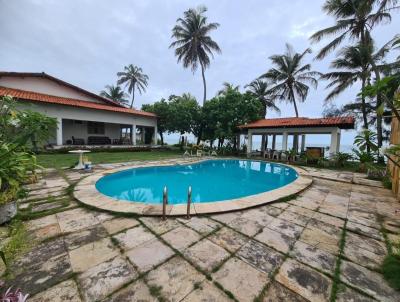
x: 165, y: 202
x: 189, y: 200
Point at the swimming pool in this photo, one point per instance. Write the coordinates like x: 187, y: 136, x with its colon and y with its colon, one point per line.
x: 211, y: 181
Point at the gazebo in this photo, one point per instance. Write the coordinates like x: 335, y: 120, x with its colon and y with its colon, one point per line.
x: 297, y: 127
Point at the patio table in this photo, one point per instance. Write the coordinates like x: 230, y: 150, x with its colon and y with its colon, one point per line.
x: 80, y: 165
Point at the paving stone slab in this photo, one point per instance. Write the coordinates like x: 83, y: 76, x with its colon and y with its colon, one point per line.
x: 258, y: 215
x: 278, y: 241
x: 287, y: 228
x: 181, y: 237
x: 75, y: 220
x: 206, y: 254
x: 41, y: 222
x: 236, y: 275
x: 314, y: 257
x: 91, y: 254
x: 294, y: 218
x: 103, y: 216
x: 328, y: 219
x: 245, y: 226
x: 133, y: 237
x: 207, y: 292
x: 365, y: 230
x: 272, y: 211
x: 48, y: 206
x: 149, y: 254
x: 47, y: 232
x: 159, y: 226
x: 301, y: 211
x: 228, y: 239
x: 202, y: 225
x: 366, y: 243
x: 43, y: 275
x: 137, y: 291
x: 177, y: 278
x: 226, y: 218
x: 104, y: 278
x: 278, y: 293
x: 66, y: 291
x: 260, y: 256
x: 321, y: 240
x: 346, y: 294
x: 80, y: 238
x: 368, y: 281
x: 304, y: 281
x: 119, y: 224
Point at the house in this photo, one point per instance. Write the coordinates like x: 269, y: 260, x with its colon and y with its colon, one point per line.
x: 84, y: 118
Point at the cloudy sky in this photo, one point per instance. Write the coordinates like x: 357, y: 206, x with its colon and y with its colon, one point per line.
x: 86, y: 42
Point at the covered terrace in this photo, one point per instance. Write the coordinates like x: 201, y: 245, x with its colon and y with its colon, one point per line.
x: 298, y: 128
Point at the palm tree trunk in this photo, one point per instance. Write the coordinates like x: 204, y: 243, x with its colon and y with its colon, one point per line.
x: 133, y: 96
x: 293, y: 99
x: 363, y: 106
x: 204, y: 83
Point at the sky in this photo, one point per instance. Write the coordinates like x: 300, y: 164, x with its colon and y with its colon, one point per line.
x: 86, y: 42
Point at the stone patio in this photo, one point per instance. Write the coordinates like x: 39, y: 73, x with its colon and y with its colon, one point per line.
x: 279, y: 252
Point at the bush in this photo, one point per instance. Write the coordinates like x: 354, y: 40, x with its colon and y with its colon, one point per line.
x: 340, y: 159
x: 391, y: 270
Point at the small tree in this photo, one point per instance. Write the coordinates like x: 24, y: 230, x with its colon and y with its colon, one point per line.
x: 162, y: 110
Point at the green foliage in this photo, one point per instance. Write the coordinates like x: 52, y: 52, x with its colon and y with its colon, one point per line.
x: 133, y: 78
x: 366, y: 140
x: 115, y: 93
x: 341, y: 158
x: 391, y: 270
x: 18, y: 242
x: 162, y: 110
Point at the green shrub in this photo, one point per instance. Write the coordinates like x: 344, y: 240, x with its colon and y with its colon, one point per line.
x: 391, y: 270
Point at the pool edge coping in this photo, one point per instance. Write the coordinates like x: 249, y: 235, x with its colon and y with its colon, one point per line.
x: 85, y: 192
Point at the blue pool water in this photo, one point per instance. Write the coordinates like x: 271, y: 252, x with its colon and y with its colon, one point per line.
x: 211, y: 180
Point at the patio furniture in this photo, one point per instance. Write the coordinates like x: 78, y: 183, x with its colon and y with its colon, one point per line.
x: 276, y: 155
x: 214, y: 153
x: 117, y: 141
x: 80, y: 165
x: 77, y: 141
x: 99, y: 140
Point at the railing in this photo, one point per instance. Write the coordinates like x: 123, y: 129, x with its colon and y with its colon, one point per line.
x: 165, y: 202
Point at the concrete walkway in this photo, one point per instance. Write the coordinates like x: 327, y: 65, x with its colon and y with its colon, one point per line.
x: 281, y: 252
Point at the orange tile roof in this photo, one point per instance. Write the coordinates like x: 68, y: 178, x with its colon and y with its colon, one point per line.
x: 46, y: 98
x: 290, y: 122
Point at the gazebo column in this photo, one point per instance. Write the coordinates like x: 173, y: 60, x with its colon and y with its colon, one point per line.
x: 284, y: 141
x: 295, y: 142
x: 134, y: 134
x: 249, y: 142
x: 59, y: 134
x: 335, y: 142
x: 155, y: 136
x: 303, y: 142
x: 273, y: 141
x: 263, y: 145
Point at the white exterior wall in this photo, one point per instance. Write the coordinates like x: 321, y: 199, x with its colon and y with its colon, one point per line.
x: 84, y: 114
x: 42, y: 85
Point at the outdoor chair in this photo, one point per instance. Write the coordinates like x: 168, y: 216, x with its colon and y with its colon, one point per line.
x: 275, y: 155
x: 77, y: 141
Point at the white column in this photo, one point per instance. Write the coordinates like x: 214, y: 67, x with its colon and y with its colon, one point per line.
x: 273, y: 141
x: 334, y: 148
x: 284, y: 141
x: 134, y: 134
x: 59, y: 134
x: 339, y: 135
x: 249, y: 142
x: 303, y: 142
x: 263, y: 145
x: 155, y: 135
x: 143, y: 135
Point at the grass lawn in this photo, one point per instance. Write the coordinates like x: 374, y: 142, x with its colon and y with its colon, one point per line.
x: 67, y: 160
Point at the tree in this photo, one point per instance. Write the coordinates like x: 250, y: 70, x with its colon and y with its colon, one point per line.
x: 115, y: 93
x: 290, y: 78
x: 354, y: 21
x: 193, y: 44
x: 162, y: 110
x: 259, y: 89
x: 354, y: 65
x: 226, y: 87
x: 133, y: 77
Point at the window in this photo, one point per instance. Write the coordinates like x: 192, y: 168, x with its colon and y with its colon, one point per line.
x: 95, y: 128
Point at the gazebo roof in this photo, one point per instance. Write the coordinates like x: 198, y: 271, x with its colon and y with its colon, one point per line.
x: 304, y: 122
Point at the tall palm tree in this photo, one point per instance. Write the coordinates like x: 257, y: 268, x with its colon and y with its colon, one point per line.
x: 193, y: 44
x: 259, y: 89
x: 228, y: 87
x: 290, y: 78
x: 133, y: 77
x: 115, y: 93
x: 354, y: 20
x: 354, y: 65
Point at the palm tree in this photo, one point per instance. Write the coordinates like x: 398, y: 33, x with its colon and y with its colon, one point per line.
x: 290, y: 77
x: 354, y: 20
x: 259, y: 89
x: 115, y: 93
x: 228, y: 87
x: 133, y: 77
x: 193, y: 45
